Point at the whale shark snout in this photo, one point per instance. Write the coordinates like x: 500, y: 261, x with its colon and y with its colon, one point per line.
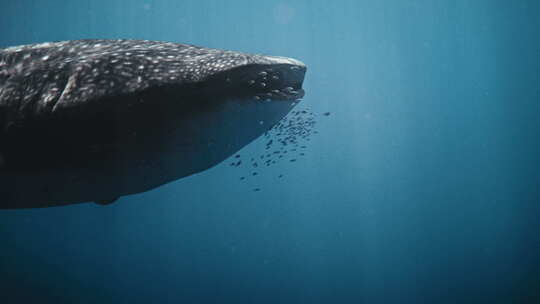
x: 263, y: 78
x: 93, y: 120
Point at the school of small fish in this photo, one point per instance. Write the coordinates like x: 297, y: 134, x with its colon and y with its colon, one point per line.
x: 286, y: 141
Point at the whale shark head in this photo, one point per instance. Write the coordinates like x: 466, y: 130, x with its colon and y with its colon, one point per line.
x: 80, y: 74
x: 91, y: 120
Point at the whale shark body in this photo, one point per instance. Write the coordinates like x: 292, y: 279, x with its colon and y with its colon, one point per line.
x: 93, y: 120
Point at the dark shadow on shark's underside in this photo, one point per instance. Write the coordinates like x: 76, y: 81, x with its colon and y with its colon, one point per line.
x: 93, y: 120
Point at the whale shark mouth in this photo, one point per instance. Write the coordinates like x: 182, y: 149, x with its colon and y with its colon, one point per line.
x: 282, y: 82
x: 272, y: 82
x: 280, y: 79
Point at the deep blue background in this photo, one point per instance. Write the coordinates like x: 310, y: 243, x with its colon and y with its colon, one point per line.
x: 421, y: 187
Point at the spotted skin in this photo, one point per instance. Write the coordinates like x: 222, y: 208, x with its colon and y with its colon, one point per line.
x: 70, y: 73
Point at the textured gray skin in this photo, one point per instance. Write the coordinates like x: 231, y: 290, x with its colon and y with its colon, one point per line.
x: 93, y: 120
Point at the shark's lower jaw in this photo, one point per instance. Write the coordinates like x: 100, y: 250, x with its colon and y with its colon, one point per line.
x: 287, y: 93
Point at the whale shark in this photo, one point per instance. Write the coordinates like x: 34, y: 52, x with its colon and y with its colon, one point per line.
x: 95, y: 120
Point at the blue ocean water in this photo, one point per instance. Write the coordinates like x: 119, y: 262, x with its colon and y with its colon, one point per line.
x: 422, y: 186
